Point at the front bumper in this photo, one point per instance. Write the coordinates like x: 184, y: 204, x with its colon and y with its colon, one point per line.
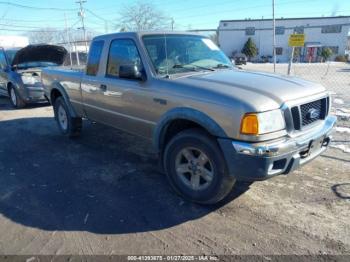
x: 259, y: 161
x: 33, y: 94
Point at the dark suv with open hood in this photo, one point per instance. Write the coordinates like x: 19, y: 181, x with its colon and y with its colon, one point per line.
x: 20, y: 71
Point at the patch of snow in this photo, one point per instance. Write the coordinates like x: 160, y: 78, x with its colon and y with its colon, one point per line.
x: 344, y: 148
x: 343, y: 113
x: 338, y: 101
x: 342, y: 129
x: 344, y: 110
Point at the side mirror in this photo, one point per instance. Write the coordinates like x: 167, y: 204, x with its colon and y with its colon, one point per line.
x: 131, y: 72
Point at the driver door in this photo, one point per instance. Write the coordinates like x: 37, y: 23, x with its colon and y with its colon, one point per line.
x: 116, y: 101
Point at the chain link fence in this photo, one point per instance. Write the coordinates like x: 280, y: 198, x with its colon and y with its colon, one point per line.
x: 77, y: 52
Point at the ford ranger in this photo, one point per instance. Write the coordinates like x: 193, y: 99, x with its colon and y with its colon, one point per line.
x: 210, y: 123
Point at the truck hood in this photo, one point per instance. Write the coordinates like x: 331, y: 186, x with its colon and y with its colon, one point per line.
x: 255, y: 85
x: 40, y: 53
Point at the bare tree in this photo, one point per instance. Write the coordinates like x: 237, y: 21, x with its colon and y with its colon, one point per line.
x: 46, y: 35
x: 54, y: 36
x: 214, y: 37
x: 142, y: 16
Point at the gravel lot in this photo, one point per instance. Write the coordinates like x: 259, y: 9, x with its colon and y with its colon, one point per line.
x: 102, y: 194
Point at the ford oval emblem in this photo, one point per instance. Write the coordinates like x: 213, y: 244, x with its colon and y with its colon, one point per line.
x: 313, y: 114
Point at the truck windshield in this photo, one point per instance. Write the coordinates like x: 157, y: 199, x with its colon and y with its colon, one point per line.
x: 173, y: 54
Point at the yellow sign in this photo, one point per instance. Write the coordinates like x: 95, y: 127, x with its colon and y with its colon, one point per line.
x: 296, y: 40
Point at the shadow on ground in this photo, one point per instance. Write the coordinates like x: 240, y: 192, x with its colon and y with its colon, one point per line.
x: 5, y: 104
x: 105, y: 182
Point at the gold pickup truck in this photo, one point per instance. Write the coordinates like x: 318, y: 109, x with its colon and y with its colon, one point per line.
x: 211, y: 124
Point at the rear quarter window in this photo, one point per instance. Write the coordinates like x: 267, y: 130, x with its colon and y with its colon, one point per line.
x: 94, y: 58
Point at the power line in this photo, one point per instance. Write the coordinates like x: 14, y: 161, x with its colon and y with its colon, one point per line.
x: 37, y: 7
x: 106, y: 21
x: 22, y: 26
x: 37, y: 31
x: 99, y: 17
x: 47, y: 29
x: 36, y: 21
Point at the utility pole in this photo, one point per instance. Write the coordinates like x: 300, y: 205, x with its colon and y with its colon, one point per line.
x: 81, y: 13
x: 68, y: 39
x: 274, y: 35
x: 291, y: 58
x: 172, y: 24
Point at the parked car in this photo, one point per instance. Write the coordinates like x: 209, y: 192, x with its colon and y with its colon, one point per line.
x: 20, y: 71
x: 240, y: 59
x: 211, y: 124
x: 266, y: 59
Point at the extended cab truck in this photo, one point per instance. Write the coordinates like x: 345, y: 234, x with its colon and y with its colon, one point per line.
x: 211, y: 124
x: 20, y: 70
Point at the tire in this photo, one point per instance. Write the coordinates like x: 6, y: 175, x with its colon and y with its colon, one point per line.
x: 206, y: 180
x: 68, y: 125
x: 15, y: 99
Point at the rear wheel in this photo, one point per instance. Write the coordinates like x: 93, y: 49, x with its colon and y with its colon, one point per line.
x: 15, y: 99
x: 196, y: 167
x: 68, y: 125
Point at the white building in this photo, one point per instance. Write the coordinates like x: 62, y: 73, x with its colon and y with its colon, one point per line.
x: 13, y: 41
x: 320, y: 32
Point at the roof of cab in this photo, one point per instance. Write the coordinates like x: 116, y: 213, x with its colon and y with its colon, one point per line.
x: 143, y: 33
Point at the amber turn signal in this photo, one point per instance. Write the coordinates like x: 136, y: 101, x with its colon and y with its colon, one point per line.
x: 250, y: 125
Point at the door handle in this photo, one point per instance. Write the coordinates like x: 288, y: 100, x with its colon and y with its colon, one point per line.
x: 103, y: 87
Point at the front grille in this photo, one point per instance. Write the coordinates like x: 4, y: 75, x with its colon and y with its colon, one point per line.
x: 306, y: 114
x: 306, y: 110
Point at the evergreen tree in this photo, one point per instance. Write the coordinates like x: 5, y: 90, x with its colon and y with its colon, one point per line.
x: 250, y: 49
x: 326, y: 53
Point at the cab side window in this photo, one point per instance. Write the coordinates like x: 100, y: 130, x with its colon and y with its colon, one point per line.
x: 3, y: 62
x: 94, y: 58
x: 122, y: 52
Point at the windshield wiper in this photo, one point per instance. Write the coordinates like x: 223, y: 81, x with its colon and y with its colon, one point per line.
x: 193, y: 67
x: 184, y: 67
x: 222, y: 66
x: 204, y: 68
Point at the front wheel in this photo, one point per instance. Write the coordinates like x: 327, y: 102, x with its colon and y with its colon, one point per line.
x: 16, y: 100
x: 68, y: 125
x: 196, y: 167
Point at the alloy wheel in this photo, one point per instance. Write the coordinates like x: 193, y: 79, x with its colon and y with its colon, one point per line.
x: 62, y: 117
x: 194, y: 168
x: 13, y: 96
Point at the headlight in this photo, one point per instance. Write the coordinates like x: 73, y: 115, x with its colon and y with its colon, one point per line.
x: 29, y: 80
x: 262, y: 123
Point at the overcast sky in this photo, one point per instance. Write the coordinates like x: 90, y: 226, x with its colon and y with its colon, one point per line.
x: 195, y: 14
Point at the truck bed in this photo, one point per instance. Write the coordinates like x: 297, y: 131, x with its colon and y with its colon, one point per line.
x: 68, y: 81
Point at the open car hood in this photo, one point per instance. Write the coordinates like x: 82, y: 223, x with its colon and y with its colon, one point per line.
x: 40, y: 53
